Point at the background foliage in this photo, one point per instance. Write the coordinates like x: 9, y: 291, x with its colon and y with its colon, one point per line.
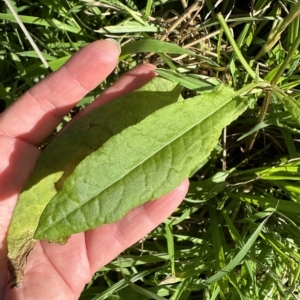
x: 236, y: 235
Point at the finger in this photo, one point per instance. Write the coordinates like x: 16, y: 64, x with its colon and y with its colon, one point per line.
x: 130, y: 81
x: 106, y: 242
x: 84, y: 254
x: 33, y: 117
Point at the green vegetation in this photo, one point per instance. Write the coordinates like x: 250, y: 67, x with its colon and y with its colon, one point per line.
x: 236, y: 235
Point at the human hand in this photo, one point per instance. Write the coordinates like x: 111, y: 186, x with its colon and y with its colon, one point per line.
x: 54, y: 271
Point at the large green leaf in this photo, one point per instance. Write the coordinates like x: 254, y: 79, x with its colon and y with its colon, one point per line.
x: 142, y: 163
x: 60, y: 158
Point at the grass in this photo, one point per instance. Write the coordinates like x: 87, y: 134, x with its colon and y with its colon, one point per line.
x: 236, y: 235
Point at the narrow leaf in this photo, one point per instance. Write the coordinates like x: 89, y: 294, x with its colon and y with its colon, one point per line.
x: 186, y: 81
x: 143, y: 291
x: 142, y: 163
x: 293, y: 107
x: 60, y: 158
x: 282, y: 205
x: 149, y: 45
x: 127, y: 29
x: 238, y: 258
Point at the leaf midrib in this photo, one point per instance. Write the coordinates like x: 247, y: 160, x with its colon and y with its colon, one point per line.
x: 82, y: 203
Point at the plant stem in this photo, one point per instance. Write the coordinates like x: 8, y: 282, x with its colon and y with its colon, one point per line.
x: 274, y: 81
x: 234, y: 46
x: 287, y: 60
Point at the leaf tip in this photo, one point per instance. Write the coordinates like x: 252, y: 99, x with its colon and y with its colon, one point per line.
x: 41, y: 234
x: 16, y: 264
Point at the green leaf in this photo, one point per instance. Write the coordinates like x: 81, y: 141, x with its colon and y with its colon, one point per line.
x: 149, y: 45
x: 142, y: 163
x: 293, y: 107
x: 206, y: 189
x: 271, y: 202
x: 238, y: 258
x: 41, y: 22
x: 60, y: 158
x: 142, y: 291
x: 127, y: 27
x: 186, y: 81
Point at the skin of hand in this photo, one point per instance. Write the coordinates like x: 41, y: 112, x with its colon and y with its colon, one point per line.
x: 54, y: 271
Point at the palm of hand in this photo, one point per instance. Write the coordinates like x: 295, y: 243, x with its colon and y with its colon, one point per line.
x: 53, y: 271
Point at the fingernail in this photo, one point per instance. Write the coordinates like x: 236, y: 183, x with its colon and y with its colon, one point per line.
x: 116, y: 43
